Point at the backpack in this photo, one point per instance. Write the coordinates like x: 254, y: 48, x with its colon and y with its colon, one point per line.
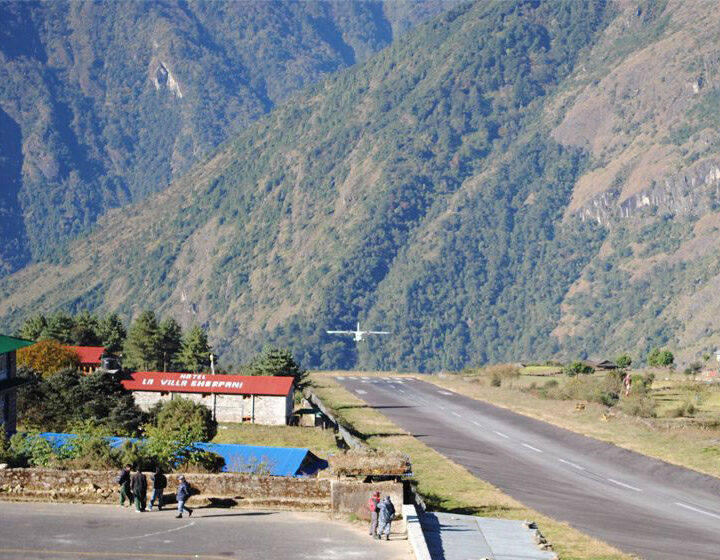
x: 390, y: 509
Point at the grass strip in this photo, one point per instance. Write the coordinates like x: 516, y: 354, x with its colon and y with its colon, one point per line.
x: 446, y: 485
x: 318, y: 441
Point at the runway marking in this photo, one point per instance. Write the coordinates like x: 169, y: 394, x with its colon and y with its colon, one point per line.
x: 445, y: 393
x: 365, y: 378
x: 157, y: 533
x: 624, y: 485
x: 363, y: 381
x: 502, y: 435
x: 573, y: 465
x: 361, y: 391
x: 531, y: 447
x: 340, y: 377
x: 400, y: 391
x: 456, y: 414
x: 478, y: 424
x: 697, y: 510
x: 95, y: 554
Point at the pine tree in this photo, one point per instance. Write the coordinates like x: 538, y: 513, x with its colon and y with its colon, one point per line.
x: 112, y: 333
x: 33, y: 327
x: 169, y: 342
x: 85, y: 331
x: 195, y: 352
x: 60, y: 328
x: 141, y: 346
x: 277, y: 361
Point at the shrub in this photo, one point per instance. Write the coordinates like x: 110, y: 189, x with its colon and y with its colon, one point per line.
x: 203, y: 462
x: 185, y: 419
x: 576, y: 368
x: 641, y: 405
x: 33, y: 450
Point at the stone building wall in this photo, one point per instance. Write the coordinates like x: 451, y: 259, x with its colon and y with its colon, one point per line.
x: 229, y: 408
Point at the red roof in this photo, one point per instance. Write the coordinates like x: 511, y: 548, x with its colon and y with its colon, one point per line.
x: 89, y: 355
x: 208, y: 383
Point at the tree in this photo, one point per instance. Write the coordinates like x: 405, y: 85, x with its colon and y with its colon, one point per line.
x: 33, y: 327
x: 141, y: 346
x: 169, y: 342
x: 195, y: 352
x: 59, y: 327
x: 60, y: 402
x: 180, y: 416
x: 277, y: 361
x: 660, y: 358
x: 112, y: 333
x: 85, y: 330
x: 47, y: 357
x: 624, y: 361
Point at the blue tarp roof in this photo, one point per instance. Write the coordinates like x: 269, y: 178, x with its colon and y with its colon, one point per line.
x: 276, y: 461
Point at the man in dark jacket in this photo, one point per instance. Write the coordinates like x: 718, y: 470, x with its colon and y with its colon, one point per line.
x: 386, y: 512
x: 123, y: 479
x: 159, y: 484
x: 183, y: 493
x: 138, y: 485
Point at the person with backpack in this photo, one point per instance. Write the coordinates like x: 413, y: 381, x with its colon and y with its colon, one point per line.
x: 123, y: 479
x: 183, y: 493
x: 372, y: 506
x: 386, y: 512
x: 138, y: 486
x: 159, y: 481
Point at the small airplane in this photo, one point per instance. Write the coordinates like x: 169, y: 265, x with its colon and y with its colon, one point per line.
x: 358, y: 335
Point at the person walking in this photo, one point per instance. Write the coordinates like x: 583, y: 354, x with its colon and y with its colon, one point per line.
x: 386, y: 512
x: 159, y: 481
x: 123, y: 479
x: 372, y: 506
x: 183, y: 493
x: 138, y: 486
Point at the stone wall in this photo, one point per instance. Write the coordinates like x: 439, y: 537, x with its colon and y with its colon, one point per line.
x: 229, y: 408
x: 226, y: 490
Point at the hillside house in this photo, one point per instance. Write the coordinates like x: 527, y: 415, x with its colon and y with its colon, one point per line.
x: 90, y: 357
x: 233, y: 398
x: 9, y: 382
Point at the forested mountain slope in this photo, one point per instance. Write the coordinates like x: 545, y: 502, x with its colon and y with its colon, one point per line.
x: 510, y: 180
x: 104, y: 103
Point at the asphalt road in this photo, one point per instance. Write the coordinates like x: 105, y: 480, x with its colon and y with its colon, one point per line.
x: 32, y: 531
x: 638, y: 504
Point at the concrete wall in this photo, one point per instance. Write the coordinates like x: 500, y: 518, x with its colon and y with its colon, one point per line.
x: 230, y: 408
x: 226, y: 489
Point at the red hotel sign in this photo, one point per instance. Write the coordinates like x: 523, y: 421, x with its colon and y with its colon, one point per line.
x: 157, y: 381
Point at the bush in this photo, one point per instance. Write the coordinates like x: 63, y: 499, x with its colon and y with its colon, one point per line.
x: 576, y: 368
x: 32, y: 450
x: 185, y: 419
x: 497, y: 374
x: 641, y: 405
x: 367, y: 462
x: 203, y: 462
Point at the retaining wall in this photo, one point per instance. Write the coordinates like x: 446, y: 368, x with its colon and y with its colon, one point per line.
x: 225, y: 489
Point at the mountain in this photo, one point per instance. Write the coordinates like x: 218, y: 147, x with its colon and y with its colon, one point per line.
x: 510, y: 180
x: 105, y: 103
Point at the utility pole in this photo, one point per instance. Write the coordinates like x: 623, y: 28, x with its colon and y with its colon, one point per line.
x: 212, y: 372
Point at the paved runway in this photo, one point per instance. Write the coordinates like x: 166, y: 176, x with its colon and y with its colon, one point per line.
x: 638, y: 504
x: 30, y: 531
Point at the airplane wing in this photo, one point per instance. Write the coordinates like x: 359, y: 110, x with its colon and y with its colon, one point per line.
x: 378, y: 332
x: 340, y: 332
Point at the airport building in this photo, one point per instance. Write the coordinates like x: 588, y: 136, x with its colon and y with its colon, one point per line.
x: 233, y: 398
x: 9, y: 382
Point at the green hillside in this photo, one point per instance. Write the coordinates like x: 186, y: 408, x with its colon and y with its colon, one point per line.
x: 511, y: 180
x: 105, y: 103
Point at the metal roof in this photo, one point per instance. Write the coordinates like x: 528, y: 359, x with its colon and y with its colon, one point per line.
x: 88, y: 354
x: 10, y: 343
x: 157, y: 381
x: 275, y: 461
